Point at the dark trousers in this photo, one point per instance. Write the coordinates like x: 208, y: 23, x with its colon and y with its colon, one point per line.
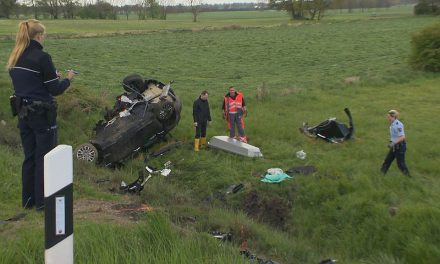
x: 235, y: 120
x: 38, y: 137
x: 398, y: 153
x: 201, y: 129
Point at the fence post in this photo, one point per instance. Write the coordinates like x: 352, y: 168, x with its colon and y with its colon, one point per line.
x: 58, y: 205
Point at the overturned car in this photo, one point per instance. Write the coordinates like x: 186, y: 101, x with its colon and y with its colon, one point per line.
x: 330, y: 130
x: 142, y: 115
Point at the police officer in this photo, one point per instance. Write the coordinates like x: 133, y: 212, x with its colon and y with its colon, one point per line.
x: 35, y: 82
x: 201, y: 117
x: 397, y: 144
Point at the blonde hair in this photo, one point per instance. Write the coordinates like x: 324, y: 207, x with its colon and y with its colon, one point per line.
x: 393, y: 113
x: 27, y: 30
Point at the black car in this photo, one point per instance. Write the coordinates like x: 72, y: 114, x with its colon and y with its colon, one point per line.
x: 142, y: 115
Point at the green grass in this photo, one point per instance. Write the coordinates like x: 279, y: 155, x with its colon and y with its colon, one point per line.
x: 341, y: 212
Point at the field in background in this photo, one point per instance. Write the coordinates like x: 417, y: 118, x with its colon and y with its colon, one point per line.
x: 342, y: 211
x: 183, y: 21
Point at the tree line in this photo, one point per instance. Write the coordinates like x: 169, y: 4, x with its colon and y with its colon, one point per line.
x: 158, y: 9
x: 112, y: 9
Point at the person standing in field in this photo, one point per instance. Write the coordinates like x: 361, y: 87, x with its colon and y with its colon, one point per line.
x: 397, y: 145
x: 35, y: 83
x: 201, y: 117
x: 234, y: 108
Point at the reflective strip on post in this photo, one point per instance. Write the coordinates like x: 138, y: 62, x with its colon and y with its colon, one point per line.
x: 58, y: 205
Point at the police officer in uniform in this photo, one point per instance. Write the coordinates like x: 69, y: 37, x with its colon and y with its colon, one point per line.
x: 397, y: 144
x: 35, y: 82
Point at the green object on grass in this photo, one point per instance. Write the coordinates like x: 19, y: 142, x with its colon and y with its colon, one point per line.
x: 275, y: 178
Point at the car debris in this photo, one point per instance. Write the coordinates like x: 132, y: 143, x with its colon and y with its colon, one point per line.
x: 164, y: 172
x: 328, y: 261
x: 136, y: 186
x: 222, y: 236
x: 330, y: 130
x: 304, y: 170
x: 301, y: 155
x: 141, y: 116
x: 163, y: 150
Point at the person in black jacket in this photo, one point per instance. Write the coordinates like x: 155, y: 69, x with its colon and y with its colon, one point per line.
x: 201, y: 117
x: 35, y: 82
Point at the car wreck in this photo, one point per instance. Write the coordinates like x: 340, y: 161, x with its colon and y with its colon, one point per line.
x: 141, y: 116
x: 331, y: 130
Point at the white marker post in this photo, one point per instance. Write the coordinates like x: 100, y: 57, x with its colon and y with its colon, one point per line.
x: 58, y: 205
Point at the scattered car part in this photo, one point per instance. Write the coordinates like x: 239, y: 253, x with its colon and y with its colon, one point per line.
x: 222, y: 236
x: 164, y: 150
x: 331, y: 130
x: 234, y: 188
x: 328, y: 261
x: 136, y: 186
x: 301, y: 155
x: 305, y: 170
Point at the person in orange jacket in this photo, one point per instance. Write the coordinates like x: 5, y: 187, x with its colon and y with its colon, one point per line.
x: 234, y: 109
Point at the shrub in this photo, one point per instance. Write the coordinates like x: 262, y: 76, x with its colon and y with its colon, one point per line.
x: 426, y: 8
x: 426, y: 49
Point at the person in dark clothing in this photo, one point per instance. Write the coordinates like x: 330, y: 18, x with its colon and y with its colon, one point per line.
x: 396, y: 145
x: 234, y: 108
x: 201, y: 117
x: 35, y: 83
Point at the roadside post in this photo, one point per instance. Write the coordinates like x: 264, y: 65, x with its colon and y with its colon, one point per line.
x: 58, y: 205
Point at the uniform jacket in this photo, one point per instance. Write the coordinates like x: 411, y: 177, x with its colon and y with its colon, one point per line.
x: 201, y: 111
x: 34, y: 76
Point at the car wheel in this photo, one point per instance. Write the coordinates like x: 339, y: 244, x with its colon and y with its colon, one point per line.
x: 86, y: 152
x: 133, y: 82
x: 164, y: 111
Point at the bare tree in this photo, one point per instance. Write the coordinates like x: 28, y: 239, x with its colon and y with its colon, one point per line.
x: 316, y: 8
x: 195, y: 8
x: 51, y: 6
x: 68, y: 8
x: 164, y: 4
x: 141, y: 9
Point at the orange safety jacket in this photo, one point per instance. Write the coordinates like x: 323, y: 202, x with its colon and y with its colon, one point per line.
x: 232, y: 106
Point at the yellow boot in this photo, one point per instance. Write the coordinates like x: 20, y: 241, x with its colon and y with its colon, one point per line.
x: 196, y: 144
x: 202, y: 142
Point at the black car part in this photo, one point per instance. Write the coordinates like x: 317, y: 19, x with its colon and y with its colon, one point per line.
x: 331, y: 130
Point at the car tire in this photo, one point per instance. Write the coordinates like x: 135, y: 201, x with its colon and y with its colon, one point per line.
x: 133, y: 82
x: 86, y: 152
x: 164, y: 110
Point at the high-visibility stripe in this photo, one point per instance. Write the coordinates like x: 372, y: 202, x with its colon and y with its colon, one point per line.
x: 26, y: 69
x: 51, y: 80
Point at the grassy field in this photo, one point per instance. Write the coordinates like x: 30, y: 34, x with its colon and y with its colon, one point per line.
x: 341, y: 212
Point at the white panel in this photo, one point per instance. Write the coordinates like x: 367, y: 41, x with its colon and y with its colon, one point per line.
x: 60, y: 253
x: 58, y: 169
x: 234, y: 146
